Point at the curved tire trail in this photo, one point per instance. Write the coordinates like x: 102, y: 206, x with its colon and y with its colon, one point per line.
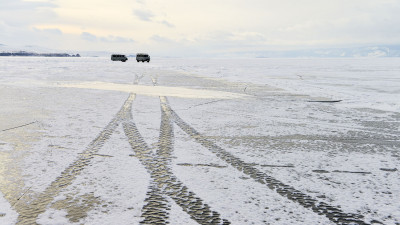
x: 157, y: 202
x: 333, y: 213
x: 29, y: 213
x: 164, y: 183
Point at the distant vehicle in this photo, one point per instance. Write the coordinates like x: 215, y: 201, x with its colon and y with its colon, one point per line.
x: 142, y: 57
x: 117, y: 57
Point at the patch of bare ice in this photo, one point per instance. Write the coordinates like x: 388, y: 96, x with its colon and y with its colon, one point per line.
x: 155, y: 90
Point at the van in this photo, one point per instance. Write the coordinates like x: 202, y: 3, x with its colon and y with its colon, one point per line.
x: 142, y: 57
x: 117, y: 57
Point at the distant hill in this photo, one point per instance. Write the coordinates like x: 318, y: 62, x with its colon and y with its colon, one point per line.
x: 31, y: 50
x: 23, y: 53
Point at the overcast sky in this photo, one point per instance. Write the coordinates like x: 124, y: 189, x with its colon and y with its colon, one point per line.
x: 191, y: 27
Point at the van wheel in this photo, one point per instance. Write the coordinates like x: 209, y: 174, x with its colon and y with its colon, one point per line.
x: 137, y: 60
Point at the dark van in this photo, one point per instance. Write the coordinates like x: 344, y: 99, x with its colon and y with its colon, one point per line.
x: 142, y: 57
x: 117, y: 57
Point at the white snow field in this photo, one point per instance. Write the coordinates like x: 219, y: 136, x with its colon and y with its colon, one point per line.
x: 199, y: 141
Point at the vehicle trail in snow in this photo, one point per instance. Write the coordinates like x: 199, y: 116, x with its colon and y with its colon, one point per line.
x: 29, y: 213
x: 164, y: 183
x: 333, y: 213
x: 168, y: 183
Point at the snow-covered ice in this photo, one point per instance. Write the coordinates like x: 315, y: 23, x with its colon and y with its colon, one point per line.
x: 245, y: 141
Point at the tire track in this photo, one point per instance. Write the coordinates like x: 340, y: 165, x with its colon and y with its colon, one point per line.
x: 155, y: 210
x: 157, y: 200
x: 333, y: 213
x: 164, y: 182
x: 29, y: 213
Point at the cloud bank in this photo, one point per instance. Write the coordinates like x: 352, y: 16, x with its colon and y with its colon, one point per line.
x: 193, y: 26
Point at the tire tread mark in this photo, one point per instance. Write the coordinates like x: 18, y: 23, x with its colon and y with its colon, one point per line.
x: 28, y: 213
x: 161, y: 174
x: 334, y: 214
x: 155, y: 211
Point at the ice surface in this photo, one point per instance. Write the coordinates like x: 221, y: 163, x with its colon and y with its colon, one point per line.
x: 361, y: 82
x: 273, y: 115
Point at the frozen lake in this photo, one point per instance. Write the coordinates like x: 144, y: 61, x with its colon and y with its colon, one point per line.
x: 199, y: 141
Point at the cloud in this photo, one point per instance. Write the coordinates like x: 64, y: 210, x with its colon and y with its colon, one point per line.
x: 213, y: 42
x: 226, y: 26
x: 107, y: 39
x: 19, y: 13
x: 116, y: 39
x: 148, y: 16
x: 225, y: 39
x: 54, y: 31
x: 7, y: 5
x: 88, y: 37
x: 166, y: 23
x: 143, y: 15
x: 160, y: 39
